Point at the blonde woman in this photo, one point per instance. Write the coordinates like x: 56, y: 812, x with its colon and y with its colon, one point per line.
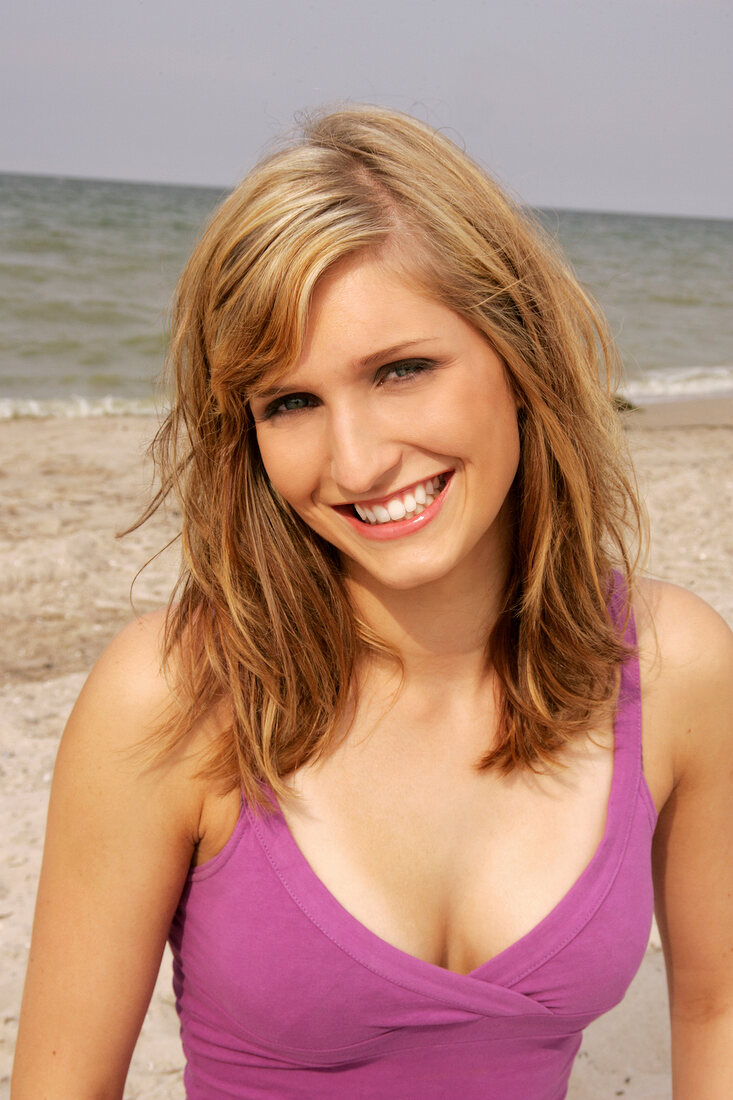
x: 403, y: 766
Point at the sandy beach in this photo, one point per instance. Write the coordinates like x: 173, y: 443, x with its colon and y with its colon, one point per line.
x: 67, y: 487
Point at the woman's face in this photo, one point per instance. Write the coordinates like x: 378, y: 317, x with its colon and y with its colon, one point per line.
x: 395, y: 436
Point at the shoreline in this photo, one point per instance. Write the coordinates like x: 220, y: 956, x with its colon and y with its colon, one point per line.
x: 682, y: 412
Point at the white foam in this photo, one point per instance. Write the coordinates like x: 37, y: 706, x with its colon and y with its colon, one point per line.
x: 74, y: 408
x: 672, y: 383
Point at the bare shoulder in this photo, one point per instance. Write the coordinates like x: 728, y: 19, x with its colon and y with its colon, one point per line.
x: 111, y: 733
x: 686, y: 659
x: 681, y: 638
x: 129, y: 688
x: 116, y: 733
x: 129, y: 674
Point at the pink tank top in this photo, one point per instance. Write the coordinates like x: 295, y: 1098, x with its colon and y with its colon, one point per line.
x: 282, y: 993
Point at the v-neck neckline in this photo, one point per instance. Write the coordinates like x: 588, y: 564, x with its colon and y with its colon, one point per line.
x: 554, y: 931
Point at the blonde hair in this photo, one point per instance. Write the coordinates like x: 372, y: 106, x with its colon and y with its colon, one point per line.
x: 260, y: 620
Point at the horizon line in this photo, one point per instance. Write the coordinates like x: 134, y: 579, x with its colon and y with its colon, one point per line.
x: 225, y: 189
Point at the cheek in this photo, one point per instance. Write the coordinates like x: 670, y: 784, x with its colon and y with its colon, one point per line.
x: 509, y: 445
x: 287, y: 465
x: 494, y: 446
x: 273, y: 459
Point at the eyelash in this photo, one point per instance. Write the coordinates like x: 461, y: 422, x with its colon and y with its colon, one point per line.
x: 418, y: 367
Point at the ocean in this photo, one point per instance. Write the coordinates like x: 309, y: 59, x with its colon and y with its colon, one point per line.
x: 88, y: 267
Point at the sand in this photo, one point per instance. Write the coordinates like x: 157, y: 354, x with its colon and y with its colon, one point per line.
x: 66, y: 488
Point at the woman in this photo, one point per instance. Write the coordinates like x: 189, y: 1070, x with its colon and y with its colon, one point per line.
x: 377, y: 772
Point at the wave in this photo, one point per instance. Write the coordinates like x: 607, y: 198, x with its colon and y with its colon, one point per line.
x: 74, y: 408
x: 673, y: 383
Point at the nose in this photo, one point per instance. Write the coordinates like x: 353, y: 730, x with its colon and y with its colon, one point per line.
x: 363, y: 454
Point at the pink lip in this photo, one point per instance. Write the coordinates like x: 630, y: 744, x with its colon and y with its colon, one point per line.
x: 381, y: 532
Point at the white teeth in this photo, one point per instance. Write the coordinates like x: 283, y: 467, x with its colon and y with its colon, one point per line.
x: 410, y: 503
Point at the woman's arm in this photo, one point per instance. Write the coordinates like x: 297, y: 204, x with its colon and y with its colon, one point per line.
x: 693, y: 847
x: 118, y: 845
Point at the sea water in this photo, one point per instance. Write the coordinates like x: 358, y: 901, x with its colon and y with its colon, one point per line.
x: 88, y: 268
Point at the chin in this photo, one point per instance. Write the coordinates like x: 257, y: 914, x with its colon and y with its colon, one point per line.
x: 404, y: 580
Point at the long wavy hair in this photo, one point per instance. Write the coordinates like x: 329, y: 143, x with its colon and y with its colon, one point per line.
x: 260, y: 623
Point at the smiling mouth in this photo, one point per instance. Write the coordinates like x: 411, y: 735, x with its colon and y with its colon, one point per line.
x: 401, y: 506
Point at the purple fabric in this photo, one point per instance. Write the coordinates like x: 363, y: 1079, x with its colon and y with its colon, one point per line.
x: 282, y: 993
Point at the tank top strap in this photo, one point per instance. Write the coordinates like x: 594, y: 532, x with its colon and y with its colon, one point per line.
x: 630, y: 781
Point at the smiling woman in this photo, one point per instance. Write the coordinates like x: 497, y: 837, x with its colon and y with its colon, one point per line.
x: 376, y: 772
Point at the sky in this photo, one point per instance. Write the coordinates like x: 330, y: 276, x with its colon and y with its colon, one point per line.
x: 623, y: 105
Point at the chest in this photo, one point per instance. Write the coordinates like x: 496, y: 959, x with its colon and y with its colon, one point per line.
x: 449, y: 863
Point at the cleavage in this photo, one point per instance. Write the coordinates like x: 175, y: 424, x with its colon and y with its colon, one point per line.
x: 451, y: 866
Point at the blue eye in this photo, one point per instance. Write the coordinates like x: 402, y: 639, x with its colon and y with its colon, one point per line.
x: 409, y: 368
x: 294, y: 402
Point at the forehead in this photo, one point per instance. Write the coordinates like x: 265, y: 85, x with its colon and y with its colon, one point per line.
x: 364, y: 306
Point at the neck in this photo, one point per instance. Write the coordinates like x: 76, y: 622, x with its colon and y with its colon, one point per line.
x: 439, y: 630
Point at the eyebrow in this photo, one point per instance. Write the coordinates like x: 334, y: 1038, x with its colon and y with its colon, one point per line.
x: 375, y: 359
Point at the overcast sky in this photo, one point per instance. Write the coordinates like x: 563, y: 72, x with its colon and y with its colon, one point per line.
x: 589, y: 104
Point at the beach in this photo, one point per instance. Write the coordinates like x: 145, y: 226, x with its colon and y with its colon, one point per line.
x: 67, y: 486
